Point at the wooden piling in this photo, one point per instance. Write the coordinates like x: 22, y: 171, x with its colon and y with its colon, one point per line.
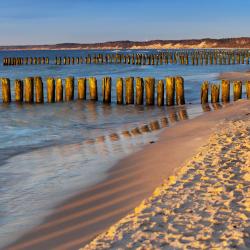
x: 93, y: 92
x: 160, y: 93
x: 225, y: 91
x: 50, y: 90
x: 215, y: 93
x: 38, y: 89
x: 248, y: 89
x: 59, y: 90
x: 29, y: 89
x: 237, y: 87
x: 204, y: 92
x: 106, y: 89
x: 150, y: 90
x: 119, y: 90
x: 139, y: 87
x: 69, y: 88
x: 170, y: 91
x: 18, y: 90
x: 82, y: 89
x: 179, y: 86
x: 6, y: 93
x: 129, y: 85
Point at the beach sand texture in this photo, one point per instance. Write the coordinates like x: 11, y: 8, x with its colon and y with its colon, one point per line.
x: 205, y: 206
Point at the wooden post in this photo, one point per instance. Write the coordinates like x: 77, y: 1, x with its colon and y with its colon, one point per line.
x: 93, y: 92
x: 6, y: 93
x: 248, y: 89
x: 18, y: 90
x: 106, y: 89
x: 119, y: 90
x: 59, y: 90
x: 237, y: 90
x: 50, y: 90
x: 69, y: 88
x: 38, y: 89
x: 215, y: 93
x: 29, y: 89
x: 170, y: 90
x: 225, y: 91
x: 139, y: 87
x: 82, y: 89
x: 204, y: 92
x: 150, y: 90
x: 160, y: 93
x: 179, y: 86
x: 129, y: 85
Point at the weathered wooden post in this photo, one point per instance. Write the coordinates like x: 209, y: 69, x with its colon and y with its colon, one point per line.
x: 38, y: 89
x: 29, y: 89
x: 106, y: 89
x: 248, y: 89
x: 150, y: 90
x: 179, y: 86
x: 225, y: 91
x: 129, y: 85
x: 69, y: 88
x: 59, y: 90
x: 170, y: 90
x: 82, y: 89
x: 93, y: 92
x: 139, y: 87
x: 6, y: 93
x: 119, y: 90
x: 18, y: 90
x: 50, y: 90
x: 215, y: 93
x: 204, y: 92
x: 237, y: 87
x: 160, y: 93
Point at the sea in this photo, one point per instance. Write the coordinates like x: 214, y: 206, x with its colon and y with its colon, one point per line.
x: 49, y: 152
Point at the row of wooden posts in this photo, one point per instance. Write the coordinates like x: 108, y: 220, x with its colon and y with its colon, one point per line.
x: 225, y: 91
x: 32, y: 90
x: 178, y: 57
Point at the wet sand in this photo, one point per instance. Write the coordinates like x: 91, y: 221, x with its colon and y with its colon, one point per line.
x: 235, y: 76
x: 206, y: 205
x: 78, y: 220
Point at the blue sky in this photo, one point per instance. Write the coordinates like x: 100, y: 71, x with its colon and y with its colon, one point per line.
x: 84, y: 21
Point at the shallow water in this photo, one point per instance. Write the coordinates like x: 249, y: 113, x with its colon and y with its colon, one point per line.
x: 50, y: 151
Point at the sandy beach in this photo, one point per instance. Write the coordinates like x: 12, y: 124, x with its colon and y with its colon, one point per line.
x: 78, y: 220
x: 206, y: 204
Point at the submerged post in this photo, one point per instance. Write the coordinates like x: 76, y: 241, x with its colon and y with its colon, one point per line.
x: 38, y: 89
x: 139, y: 87
x: 69, y: 88
x: 6, y: 93
x: 93, y: 89
x: 248, y: 89
x: 225, y: 91
x: 215, y: 93
x: 106, y: 89
x: 170, y: 90
x: 119, y: 90
x: 179, y: 85
x: 50, y: 89
x: 150, y: 90
x: 59, y: 90
x: 160, y: 93
x: 29, y: 89
x: 204, y: 92
x: 237, y: 90
x: 129, y: 90
x: 18, y: 90
x: 82, y: 89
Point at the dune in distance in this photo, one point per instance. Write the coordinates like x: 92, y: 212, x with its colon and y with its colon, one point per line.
x: 205, y: 43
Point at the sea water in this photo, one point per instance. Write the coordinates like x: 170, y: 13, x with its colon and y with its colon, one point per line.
x: 49, y: 152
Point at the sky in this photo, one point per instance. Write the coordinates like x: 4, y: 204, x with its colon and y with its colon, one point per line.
x: 87, y: 21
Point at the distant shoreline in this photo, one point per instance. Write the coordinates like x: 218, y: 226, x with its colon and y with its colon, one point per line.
x: 206, y: 43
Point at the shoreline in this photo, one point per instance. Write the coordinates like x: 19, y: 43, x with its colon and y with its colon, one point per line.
x: 79, y: 219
